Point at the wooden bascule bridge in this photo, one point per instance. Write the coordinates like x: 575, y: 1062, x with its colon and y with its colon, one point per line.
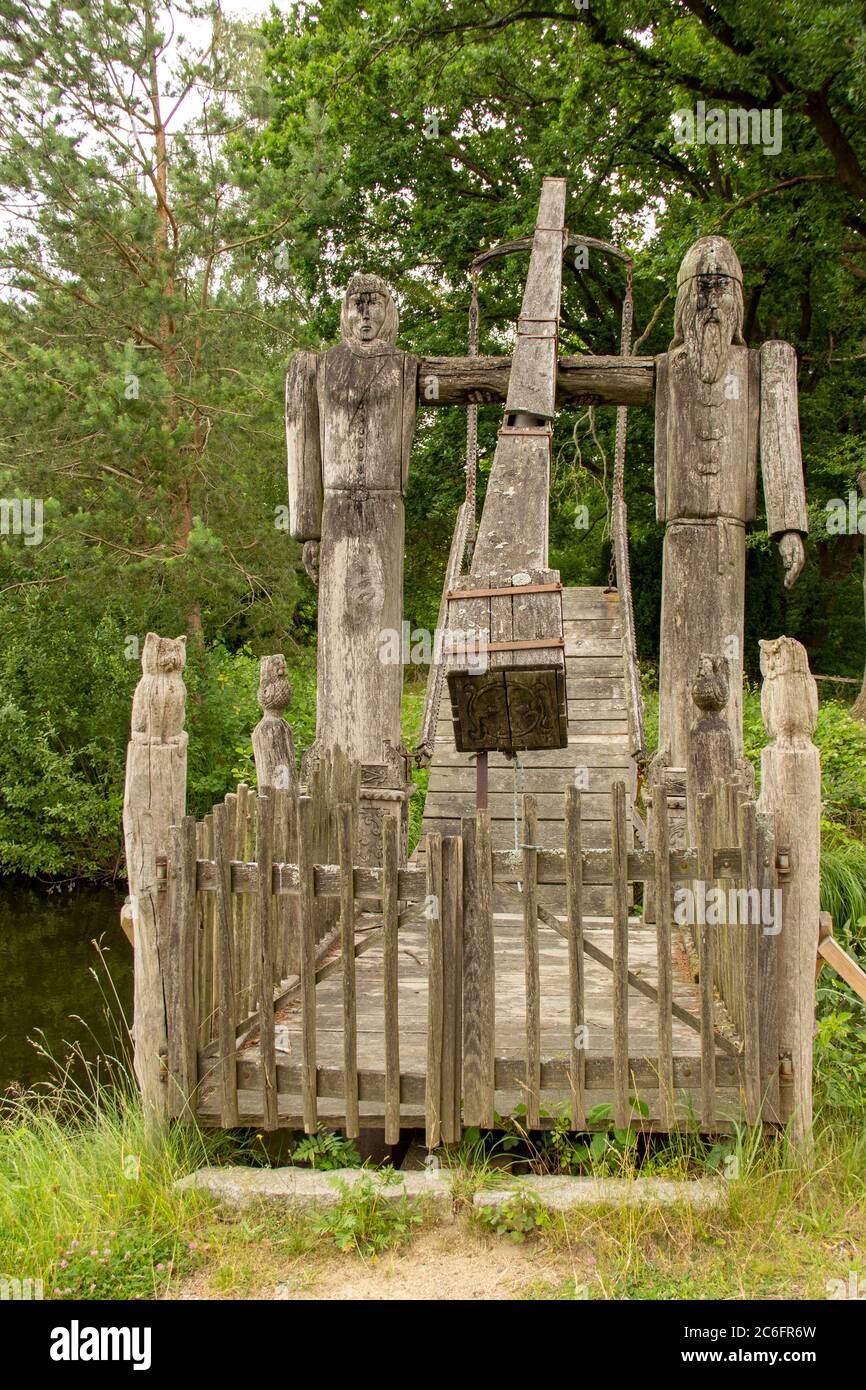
x: 295, y: 966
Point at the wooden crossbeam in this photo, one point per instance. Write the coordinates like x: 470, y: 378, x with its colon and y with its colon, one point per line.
x: 831, y: 952
x: 642, y: 986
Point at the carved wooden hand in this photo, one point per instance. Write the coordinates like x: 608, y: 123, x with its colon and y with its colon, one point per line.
x: 310, y: 560
x: 793, y: 554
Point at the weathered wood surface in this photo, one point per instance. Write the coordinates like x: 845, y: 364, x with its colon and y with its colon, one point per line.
x: 714, y: 398
x: 263, y: 973
x: 348, y: 465
x: 531, y: 964
x: 181, y: 1010
x: 390, y: 978
x: 326, y: 879
x: 664, y: 942
x: 574, y: 929
x: 579, y: 380
x: 154, y: 799
x: 532, y: 383
x: 706, y: 826
x: 307, y: 961
x: 345, y: 850
x: 434, y: 1021
x: 619, y: 861
x: 452, y: 963
x: 223, y: 833
x: 510, y: 1081
x: 781, y: 457
x: 506, y: 681
x: 597, y: 749
x: 791, y: 791
x: 273, y: 744
x: 479, y: 983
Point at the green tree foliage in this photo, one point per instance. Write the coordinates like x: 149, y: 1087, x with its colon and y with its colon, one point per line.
x: 447, y: 119
x: 182, y: 200
x: 140, y: 399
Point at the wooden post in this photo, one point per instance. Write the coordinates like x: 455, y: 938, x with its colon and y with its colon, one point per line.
x: 154, y: 799
x: 180, y: 967
x: 452, y: 975
x: 478, y: 978
x: 263, y: 958
x: 223, y: 835
x: 574, y: 926
x: 791, y: 790
x: 619, y: 872
x: 390, y: 975
x: 273, y: 745
x: 435, y: 997
x: 306, y: 877
x: 705, y: 818
x: 661, y: 851
x: 531, y: 963
x: 345, y: 851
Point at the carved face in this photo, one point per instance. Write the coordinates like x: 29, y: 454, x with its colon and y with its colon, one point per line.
x: 366, y: 312
x: 369, y: 320
x: 710, y: 322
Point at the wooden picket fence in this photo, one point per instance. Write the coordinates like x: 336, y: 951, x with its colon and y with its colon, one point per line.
x: 267, y: 885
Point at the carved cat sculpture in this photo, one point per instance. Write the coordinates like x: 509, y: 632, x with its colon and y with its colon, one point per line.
x: 160, y: 696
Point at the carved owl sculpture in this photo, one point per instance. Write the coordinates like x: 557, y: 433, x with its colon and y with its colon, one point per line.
x: 160, y: 697
x: 710, y: 688
x: 275, y: 692
x: 789, y: 697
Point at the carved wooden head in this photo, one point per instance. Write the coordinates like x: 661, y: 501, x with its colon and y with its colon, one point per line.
x: 709, y: 311
x: 163, y: 655
x: 369, y: 316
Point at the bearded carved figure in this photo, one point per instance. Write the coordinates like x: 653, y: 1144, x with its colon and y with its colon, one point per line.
x: 350, y: 419
x: 719, y: 407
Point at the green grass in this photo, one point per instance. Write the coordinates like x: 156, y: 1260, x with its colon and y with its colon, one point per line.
x: 87, y: 1204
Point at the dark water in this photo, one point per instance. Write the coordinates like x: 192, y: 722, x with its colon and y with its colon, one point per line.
x: 48, y: 961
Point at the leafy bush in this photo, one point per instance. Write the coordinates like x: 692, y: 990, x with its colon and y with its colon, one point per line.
x: 365, y: 1220
x: 325, y: 1150
x: 515, y: 1219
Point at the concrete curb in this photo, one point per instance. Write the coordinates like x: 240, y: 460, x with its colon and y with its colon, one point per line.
x: 564, y: 1194
x: 237, y: 1187
x: 306, y: 1187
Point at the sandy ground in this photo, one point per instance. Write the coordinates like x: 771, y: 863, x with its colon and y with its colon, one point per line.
x: 444, y: 1263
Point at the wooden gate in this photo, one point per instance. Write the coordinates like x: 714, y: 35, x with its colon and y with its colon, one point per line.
x: 484, y: 984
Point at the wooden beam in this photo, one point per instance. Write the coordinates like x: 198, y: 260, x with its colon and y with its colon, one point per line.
x: 579, y: 380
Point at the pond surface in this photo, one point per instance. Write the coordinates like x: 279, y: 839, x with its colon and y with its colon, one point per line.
x: 54, y: 978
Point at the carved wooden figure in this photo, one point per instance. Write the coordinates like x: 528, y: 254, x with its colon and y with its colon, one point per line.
x: 350, y: 418
x: 718, y: 403
x: 154, y: 799
x: 273, y: 744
